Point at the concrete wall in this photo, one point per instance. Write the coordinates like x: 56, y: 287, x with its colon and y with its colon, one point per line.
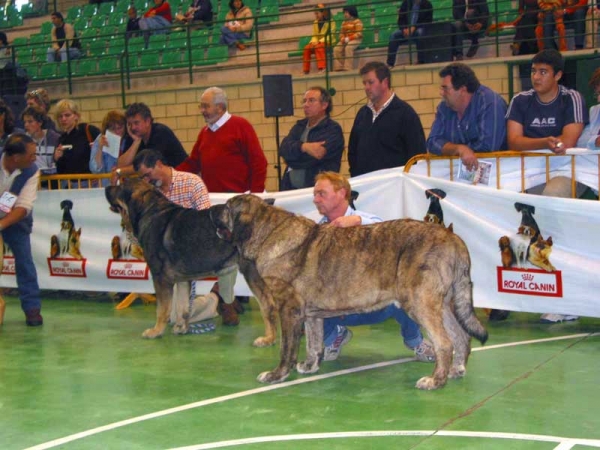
x: 177, y: 106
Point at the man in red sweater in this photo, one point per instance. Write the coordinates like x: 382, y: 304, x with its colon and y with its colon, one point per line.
x: 227, y: 152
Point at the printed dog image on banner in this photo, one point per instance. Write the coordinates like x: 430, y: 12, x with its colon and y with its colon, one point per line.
x: 435, y: 214
x: 523, y: 252
x: 305, y: 272
x: 65, y: 247
x: 125, y: 246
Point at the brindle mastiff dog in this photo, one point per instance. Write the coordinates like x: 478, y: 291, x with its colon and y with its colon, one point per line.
x: 179, y: 245
x: 306, y: 272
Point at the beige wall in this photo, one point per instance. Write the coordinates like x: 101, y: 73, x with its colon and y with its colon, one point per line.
x: 178, y: 107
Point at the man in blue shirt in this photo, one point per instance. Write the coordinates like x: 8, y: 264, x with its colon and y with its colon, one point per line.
x: 470, y: 118
x: 332, y: 199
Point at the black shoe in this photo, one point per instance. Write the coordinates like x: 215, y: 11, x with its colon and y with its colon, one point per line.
x: 33, y: 318
x: 498, y: 315
x: 472, y: 50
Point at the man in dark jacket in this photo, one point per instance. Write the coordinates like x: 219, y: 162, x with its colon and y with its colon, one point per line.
x: 412, y: 18
x: 387, y: 131
x: 315, y: 144
x: 470, y: 20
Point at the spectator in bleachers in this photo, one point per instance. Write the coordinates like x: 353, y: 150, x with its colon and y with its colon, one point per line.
x: 315, y: 144
x: 104, y: 154
x: 62, y: 35
x: 387, y: 131
x: 469, y: 119
x: 525, y: 42
x: 46, y: 140
x: 133, y: 23
x: 78, y: 135
x: 320, y: 40
x: 238, y: 25
x: 412, y: 18
x: 7, y: 123
x: 200, y: 12
x: 39, y: 97
x: 157, y: 19
x: 350, y: 38
x: 559, y: 15
x: 5, y: 54
x: 471, y: 21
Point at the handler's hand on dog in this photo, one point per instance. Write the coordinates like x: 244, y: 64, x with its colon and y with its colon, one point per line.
x: 347, y: 221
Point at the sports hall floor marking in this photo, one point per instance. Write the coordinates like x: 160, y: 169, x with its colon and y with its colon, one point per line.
x: 224, y: 398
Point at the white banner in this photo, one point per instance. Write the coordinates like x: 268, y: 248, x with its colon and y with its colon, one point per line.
x: 566, y: 282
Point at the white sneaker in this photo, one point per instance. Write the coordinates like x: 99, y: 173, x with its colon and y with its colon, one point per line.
x: 332, y: 351
x: 557, y: 318
x: 424, y: 351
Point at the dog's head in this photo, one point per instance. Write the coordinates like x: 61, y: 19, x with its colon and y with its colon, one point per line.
x: 234, y: 219
x: 504, y: 242
x: 528, y: 224
x: 130, y: 199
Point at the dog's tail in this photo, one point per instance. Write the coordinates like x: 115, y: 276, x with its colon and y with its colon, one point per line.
x: 463, y: 304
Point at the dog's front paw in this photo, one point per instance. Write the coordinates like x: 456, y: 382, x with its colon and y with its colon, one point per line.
x: 307, y: 367
x: 263, y: 341
x: 428, y: 384
x: 457, y: 371
x: 272, y: 377
x: 180, y: 328
x: 152, y: 333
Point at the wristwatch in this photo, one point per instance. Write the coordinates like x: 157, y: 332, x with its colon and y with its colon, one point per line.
x: 118, y: 171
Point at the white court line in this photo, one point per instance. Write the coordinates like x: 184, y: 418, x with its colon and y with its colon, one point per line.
x: 224, y: 398
x: 564, y: 443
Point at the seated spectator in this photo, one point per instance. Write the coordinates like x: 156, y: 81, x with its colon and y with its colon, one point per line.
x: 39, y: 97
x: 350, y: 38
x: 103, y: 157
x: 557, y: 15
x: 133, y: 23
x: 590, y: 137
x: 470, y: 20
x: 63, y: 35
x: 412, y: 18
x: 46, y: 140
x: 320, y: 40
x: 238, y: 26
x: 158, y: 18
x: 525, y: 42
x: 79, y: 136
x: 7, y: 123
x: 200, y: 11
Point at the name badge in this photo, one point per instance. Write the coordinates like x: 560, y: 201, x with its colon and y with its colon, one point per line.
x: 7, y: 201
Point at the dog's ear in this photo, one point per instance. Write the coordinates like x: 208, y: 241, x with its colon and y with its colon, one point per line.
x: 450, y: 228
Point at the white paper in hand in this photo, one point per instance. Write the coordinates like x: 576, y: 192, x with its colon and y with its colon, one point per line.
x: 114, y: 143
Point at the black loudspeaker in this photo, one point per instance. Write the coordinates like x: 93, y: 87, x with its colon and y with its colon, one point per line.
x: 435, y: 45
x: 278, y: 95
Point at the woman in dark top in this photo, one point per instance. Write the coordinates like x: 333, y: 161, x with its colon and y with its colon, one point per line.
x: 80, y: 136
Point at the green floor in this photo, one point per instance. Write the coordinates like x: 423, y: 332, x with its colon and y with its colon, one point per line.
x: 88, y: 377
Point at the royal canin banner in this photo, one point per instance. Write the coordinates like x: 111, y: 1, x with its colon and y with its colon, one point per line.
x: 528, y: 252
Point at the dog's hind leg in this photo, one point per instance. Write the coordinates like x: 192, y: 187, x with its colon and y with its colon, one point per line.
x: 461, y: 342
x: 431, y: 320
x: 180, y: 307
x: 164, y: 294
x: 313, y: 328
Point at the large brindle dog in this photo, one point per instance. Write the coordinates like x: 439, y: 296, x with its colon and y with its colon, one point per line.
x: 179, y: 245
x: 305, y: 272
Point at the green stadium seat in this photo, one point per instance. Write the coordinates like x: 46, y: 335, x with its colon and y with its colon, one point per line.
x: 217, y: 53
x: 304, y: 40
x: 20, y: 41
x: 86, y: 67
x: 97, y: 21
x: 105, y: 8
x: 157, y: 41
x: 46, y: 28
x: 149, y: 60
x: 48, y: 71
x: 135, y: 44
x: 198, y: 58
x: 108, y: 65
x: 73, y: 14
x: 89, y: 10
x: 96, y: 47
x: 172, y: 60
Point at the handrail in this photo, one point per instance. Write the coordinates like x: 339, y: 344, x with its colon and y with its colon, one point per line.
x: 499, y: 156
x: 73, y: 181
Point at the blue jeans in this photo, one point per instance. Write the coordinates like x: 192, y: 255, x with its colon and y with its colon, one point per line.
x: 397, y: 39
x: 408, y: 328
x: 576, y: 21
x: 229, y: 37
x: 18, y: 240
x: 53, y: 56
x: 460, y: 32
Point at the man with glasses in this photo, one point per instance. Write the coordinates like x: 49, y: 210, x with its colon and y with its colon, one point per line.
x: 315, y: 144
x: 188, y: 190
x: 227, y: 152
x: 469, y: 119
